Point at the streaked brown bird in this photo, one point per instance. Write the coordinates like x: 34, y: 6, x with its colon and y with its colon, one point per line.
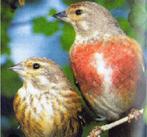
x: 46, y: 105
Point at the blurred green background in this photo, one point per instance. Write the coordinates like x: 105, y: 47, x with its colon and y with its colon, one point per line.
x: 30, y: 31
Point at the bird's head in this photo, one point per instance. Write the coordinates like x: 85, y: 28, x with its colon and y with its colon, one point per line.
x: 38, y: 70
x: 88, y: 19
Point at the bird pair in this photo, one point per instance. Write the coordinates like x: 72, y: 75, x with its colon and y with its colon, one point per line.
x: 107, y: 64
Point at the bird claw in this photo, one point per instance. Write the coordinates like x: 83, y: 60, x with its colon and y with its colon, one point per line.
x: 100, y: 118
x: 95, y: 132
x: 134, y: 114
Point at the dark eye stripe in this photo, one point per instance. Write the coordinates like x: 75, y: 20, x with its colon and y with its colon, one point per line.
x: 78, y: 12
x: 36, y: 66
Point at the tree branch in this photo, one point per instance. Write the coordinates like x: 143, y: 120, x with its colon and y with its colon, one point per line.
x: 96, y: 132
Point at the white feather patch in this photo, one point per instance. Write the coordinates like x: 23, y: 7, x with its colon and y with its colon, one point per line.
x: 84, y: 39
x: 43, y: 80
x: 101, y: 67
x: 84, y: 25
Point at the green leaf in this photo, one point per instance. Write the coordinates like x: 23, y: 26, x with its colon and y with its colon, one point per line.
x: 52, y: 12
x: 111, y: 4
x: 5, y: 39
x: 42, y: 25
x: 125, y: 25
x: 69, y: 2
x: 10, y: 80
x: 114, y: 3
x: 101, y: 2
x: 69, y: 73
x: 67, y: 37
x: 6, y: 16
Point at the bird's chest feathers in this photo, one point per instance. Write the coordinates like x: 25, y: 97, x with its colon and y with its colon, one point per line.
x: 41, y: 111
x: 106, y: 65
x: 37, y: 102
x: 85, y: 73
x: 34, y: 111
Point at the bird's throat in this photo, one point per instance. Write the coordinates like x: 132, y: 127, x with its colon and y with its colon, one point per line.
x: 86, y: 38
x: 91, y: 35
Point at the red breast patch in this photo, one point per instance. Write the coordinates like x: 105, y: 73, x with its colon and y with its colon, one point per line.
x: 119, y: 53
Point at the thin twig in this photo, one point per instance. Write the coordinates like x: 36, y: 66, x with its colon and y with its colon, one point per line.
x: 98, y: 130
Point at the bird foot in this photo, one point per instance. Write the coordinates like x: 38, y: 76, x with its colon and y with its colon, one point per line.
x: 100, y: 118
x: 95, y: 132
x: 134, y: 114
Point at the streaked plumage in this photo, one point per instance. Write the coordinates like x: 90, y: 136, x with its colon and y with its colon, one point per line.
x: 46, y: 105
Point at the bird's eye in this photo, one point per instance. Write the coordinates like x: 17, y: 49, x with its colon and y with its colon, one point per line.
x: 36, y: 66
x: 78, y: 12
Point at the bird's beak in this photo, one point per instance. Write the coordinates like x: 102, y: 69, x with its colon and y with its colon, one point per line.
x: 17, y: 68
x: 61, y: 15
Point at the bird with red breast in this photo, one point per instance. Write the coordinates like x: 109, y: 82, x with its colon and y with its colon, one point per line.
x: 107, y: 64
